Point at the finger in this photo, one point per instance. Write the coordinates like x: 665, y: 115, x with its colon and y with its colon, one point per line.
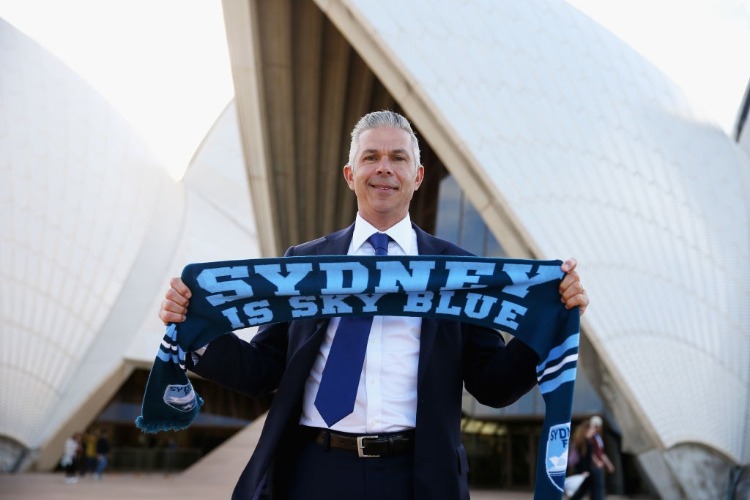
x: 575, y: 288
x: 568, y: 282
x: 175, y: 297
x: 580, y: 299
x: 180, y: 287
x: 172, y: 312
x: 175, y: 307
x: 569, y: 265
x: 171, y: 317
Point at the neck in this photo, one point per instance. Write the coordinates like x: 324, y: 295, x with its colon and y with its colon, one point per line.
x: 382, y: 223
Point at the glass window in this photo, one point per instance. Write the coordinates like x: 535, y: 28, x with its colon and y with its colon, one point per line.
x: 460, y: 223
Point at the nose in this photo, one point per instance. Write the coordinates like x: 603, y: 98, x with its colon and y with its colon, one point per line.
x: 384, y: 166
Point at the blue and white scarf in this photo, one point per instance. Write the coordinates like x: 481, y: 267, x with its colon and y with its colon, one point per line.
x: 517, y: 296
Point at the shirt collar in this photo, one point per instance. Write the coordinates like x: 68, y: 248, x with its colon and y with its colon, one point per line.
x: 401, y: 233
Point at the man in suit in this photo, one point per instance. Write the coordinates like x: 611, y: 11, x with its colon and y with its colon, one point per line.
x: 402, y: 438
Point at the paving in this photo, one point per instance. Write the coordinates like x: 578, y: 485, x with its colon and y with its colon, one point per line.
x: 119, y: 486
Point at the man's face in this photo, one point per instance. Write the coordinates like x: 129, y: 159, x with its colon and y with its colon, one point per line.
x: 384, y: 177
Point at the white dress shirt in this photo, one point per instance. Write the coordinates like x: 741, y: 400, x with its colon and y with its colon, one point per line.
x: 387, y: 393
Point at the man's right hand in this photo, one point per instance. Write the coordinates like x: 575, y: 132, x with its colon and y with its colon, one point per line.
x: 175, y: 303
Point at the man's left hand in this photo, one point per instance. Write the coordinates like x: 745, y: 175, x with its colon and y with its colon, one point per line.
x: 572, y: 292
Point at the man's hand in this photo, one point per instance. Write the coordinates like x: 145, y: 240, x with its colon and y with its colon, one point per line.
x: 572, y: 292
x: 175, y: 303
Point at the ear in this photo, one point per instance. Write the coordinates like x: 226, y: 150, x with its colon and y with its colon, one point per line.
x: 349, y: 176
x: 419, y: 178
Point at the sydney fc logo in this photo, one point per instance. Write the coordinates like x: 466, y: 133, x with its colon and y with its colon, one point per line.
x: 557, y: 454
x: 180, y: 397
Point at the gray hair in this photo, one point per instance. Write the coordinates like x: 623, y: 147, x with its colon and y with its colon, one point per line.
x: 377, y: 119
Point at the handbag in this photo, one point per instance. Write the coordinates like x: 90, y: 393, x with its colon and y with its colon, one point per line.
x: 572, y: 483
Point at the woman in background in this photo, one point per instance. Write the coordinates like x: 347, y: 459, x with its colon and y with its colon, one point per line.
x: 589, y: 446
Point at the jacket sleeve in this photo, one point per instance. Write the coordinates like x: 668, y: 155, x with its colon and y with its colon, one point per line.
x: 495, y: 373
x: 253, y: 368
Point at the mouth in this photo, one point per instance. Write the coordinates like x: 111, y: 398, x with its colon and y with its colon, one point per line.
x: 383, y: 187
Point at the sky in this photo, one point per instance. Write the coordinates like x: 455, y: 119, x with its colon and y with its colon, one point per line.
x: 164, y: 64
x: 701, y: 45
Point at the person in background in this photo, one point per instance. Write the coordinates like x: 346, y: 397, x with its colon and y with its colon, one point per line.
x: 594, y: 461
x: 71, y: 457
x: 401, y: 439
x: 102, y: 454
x: 89, y: 453
x: 578, y: 448
x: 578, y: 460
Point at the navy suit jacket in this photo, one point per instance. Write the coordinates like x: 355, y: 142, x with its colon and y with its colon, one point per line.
x: 279, y: 358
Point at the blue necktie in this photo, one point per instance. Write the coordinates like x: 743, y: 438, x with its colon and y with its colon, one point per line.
x: 338, y: 385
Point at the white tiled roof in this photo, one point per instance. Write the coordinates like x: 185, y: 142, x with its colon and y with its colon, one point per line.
x: 77, y: 193
x: 595, y: 154
x: 92, y: 230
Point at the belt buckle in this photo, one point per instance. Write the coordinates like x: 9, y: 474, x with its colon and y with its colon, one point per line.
x: 361, y: 447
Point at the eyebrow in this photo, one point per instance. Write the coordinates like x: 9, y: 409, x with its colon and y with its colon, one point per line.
x: 393, y: 151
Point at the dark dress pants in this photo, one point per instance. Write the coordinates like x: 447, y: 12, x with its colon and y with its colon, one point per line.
x: 315, y: 472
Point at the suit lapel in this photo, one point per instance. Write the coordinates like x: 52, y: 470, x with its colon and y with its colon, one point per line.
x: 335, y: 243
x: 426, y: 245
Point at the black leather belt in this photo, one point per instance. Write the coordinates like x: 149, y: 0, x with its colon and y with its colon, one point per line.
x: 366, y: 446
